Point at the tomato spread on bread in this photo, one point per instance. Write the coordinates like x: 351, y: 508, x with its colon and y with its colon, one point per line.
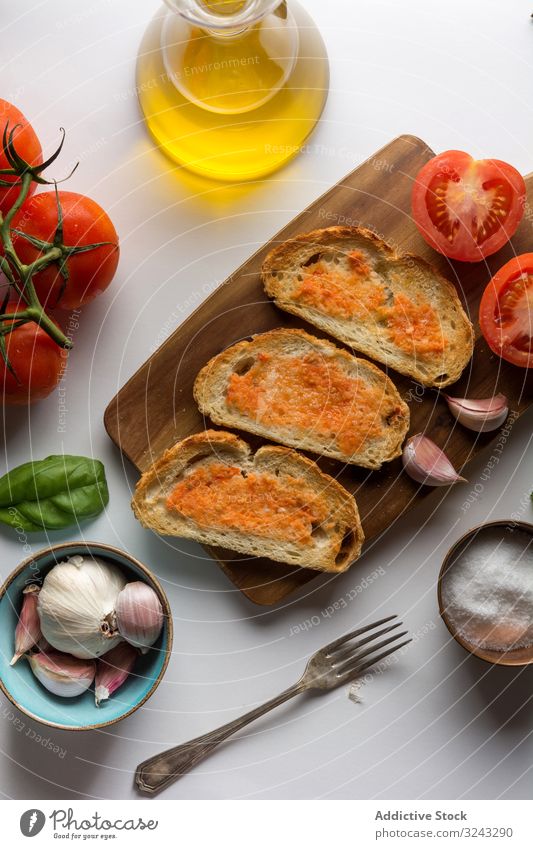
x: 313, y: 393
x: 216, y: 495
x: 353, y: 290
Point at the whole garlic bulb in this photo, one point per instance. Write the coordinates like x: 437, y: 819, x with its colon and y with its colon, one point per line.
x: 77, y: 606
x: 139, y: 615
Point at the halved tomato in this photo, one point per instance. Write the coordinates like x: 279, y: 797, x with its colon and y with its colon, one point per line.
x: 466, y: 208
x: 506, y: 312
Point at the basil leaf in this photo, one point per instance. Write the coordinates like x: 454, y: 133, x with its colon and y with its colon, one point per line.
x: 53, y: 493
x: 16, y: 520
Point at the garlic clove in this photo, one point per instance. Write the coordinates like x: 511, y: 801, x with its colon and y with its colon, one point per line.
x: 61, y: 674
x: 139, y: 614
x: 426, y: 463
x: 112, y: 669
x: 28, y: 630
x: 481, y: 415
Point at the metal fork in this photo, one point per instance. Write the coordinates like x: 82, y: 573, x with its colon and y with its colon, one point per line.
x: 337, y: 663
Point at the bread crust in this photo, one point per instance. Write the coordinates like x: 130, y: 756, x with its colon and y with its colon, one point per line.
x: 211, y: 385
x: 284, y: 262
x: 329, y: 553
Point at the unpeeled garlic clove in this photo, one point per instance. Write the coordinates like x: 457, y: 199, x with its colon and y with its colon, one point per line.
x: 62, y: 674
x: 481, y: 415
x: 112, y: 669
x: 426, y: 463
x: 139, y: 615
x: 28, y: 630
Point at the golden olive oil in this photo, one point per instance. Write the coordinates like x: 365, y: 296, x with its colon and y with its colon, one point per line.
x: 232, y: 105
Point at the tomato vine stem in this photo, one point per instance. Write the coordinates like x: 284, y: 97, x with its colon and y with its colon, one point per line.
x: 19, y: 276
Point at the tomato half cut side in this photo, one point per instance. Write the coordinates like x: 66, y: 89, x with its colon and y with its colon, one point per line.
x: 506, y: 312
x: 467, y: 209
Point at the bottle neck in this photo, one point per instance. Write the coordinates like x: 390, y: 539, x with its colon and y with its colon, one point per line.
x: 224, y: 7
x: 224, y: 16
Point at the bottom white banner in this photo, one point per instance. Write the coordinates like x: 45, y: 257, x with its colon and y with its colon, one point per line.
x: 269, y: 823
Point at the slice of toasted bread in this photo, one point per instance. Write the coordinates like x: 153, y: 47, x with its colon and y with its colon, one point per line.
x: 275, y: 503
x: 394, y: 308
x: 307, y: 393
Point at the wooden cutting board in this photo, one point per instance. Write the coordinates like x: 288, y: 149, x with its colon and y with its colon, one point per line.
x: 156, y: 407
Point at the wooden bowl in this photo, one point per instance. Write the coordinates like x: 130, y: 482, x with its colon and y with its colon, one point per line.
x: 78, y: 713
x: 513, y: 657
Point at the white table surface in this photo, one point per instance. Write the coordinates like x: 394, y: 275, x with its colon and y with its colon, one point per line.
x: 437, y: 724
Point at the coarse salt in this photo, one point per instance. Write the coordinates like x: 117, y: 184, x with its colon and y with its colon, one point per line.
x: 487, y: 592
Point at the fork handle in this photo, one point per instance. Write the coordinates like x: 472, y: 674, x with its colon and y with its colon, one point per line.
x: 156, y: 773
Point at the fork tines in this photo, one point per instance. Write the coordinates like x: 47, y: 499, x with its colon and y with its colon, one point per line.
x: 349, y: 658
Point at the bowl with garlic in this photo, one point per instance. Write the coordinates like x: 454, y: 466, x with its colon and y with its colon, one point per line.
x: 85, y: 637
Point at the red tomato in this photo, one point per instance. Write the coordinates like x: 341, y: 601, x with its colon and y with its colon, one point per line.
x: 84, y: 223
x: 36, y: 359
x: 27, y: 145
x: 506, y: 312
x: 466, y: 208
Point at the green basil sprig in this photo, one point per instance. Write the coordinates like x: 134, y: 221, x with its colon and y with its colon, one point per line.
x: 53, y: 493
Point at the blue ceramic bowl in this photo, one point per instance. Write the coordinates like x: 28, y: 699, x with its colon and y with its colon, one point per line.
x: 80, y: 713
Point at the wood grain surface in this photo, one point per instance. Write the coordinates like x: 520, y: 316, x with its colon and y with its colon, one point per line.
x: 156, y: 407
